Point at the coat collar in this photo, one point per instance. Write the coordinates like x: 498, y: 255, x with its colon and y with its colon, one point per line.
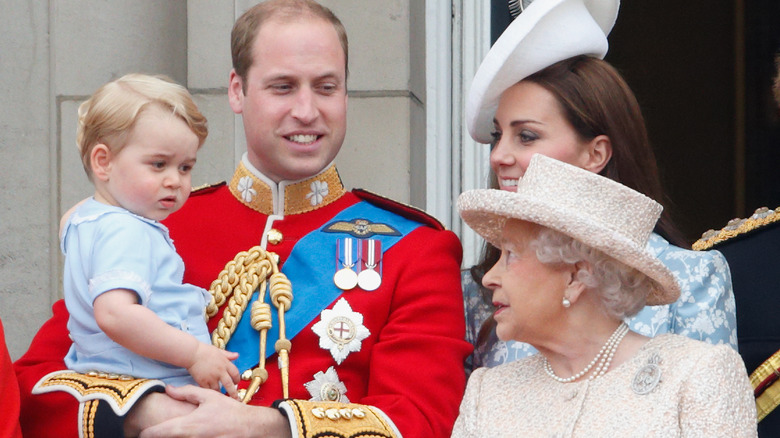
x: 261, y: 194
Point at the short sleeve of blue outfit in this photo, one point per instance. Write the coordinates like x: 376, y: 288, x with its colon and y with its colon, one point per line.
x: 109, y: 248
x: 705, y: 311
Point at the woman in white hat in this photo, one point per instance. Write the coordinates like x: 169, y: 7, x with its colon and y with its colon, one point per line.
x: 543, y: 88
x: 573, y: 266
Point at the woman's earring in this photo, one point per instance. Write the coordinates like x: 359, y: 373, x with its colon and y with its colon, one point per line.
x: 566, y: 303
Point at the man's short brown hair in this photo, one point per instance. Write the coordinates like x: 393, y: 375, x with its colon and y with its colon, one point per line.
x: 247, y: 26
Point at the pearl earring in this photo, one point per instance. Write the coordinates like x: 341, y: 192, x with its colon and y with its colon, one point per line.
x: 566, y: 303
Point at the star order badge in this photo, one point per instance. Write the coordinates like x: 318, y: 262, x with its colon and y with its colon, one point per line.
x: 341, y: 330
x: 327, y: 387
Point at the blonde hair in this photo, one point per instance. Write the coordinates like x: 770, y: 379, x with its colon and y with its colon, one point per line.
x: 109, y: 115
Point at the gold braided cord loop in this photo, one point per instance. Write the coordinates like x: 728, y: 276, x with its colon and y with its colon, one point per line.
x: 223, y: 286
x: 281, y: 296
x: 261, y: 316
x: 249, y: 271
x: 239, y: 280
x: 281, y: 291
x: 261, y: 321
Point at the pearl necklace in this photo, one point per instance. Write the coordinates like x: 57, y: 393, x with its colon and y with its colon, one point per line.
x: 603, y: 358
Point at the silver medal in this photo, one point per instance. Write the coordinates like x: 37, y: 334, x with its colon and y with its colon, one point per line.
x: 369, y: 279
x: 345, y: 279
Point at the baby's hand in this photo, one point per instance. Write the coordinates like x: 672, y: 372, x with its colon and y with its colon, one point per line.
x: 212, y: 366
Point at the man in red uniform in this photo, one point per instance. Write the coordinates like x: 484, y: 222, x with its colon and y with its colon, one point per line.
x: 9, y: 394
x: 376, y: 319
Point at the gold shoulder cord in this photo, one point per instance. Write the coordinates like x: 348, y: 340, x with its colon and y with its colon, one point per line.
x: 761, y: 217
x: 250, y: 271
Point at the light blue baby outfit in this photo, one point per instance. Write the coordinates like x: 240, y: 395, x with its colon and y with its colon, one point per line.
x: 108, y: 248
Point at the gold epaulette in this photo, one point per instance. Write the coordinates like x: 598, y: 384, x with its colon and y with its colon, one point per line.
x: 205, y: 188
x: 762, y: 217
x: 765, y: 386
x: 119, y: 391
x: 310, y: 419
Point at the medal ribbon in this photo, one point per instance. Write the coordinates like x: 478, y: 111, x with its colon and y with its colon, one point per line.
x: 372, y: 252
x: 310, y: 271
x: 345, y: 260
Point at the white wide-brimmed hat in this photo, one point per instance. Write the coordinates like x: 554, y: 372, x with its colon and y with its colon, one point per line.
x: 588, y: 207
x: 546, y: 32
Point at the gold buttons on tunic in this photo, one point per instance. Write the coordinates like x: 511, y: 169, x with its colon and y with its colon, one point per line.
x: 338, y: 414
x: 274, y: 236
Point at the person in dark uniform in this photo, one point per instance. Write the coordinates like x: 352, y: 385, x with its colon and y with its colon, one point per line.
x: 752, y: 248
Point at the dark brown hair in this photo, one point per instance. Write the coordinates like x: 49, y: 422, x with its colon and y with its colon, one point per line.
x: 597, y: 101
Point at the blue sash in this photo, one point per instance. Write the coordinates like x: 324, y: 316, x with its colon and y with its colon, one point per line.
x: 310, y: 268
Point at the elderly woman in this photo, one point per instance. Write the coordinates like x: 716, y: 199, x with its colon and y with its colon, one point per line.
x: 543, y: 88
x: 573, y: 266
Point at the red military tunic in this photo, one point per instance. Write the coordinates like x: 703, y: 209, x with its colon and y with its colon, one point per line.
x: 410, y: 365
x: 9, y: 394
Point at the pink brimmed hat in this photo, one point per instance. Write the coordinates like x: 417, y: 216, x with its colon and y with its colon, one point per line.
x: 547, y: 31
x: 588, y: 207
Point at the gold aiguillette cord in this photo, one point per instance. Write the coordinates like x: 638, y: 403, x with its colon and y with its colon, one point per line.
x: 252, y: 270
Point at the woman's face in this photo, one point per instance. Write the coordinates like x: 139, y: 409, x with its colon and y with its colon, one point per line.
x: 527, y: 293
x: 528, y: 121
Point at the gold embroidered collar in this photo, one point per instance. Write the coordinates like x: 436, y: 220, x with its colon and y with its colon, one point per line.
x: 259, y: 193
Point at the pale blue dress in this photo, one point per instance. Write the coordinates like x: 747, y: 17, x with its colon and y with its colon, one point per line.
x: 705, y: 311
x: 108, y: 248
